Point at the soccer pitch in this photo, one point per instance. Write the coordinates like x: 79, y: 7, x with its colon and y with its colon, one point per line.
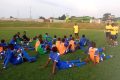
x: 106, y: 70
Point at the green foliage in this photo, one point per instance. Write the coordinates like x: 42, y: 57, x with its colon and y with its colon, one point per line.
x: 84, y: 19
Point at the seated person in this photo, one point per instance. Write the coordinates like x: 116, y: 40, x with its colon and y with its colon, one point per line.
x: 94, y: 54
x: 58, y: 42
x: 83, y: 41
x: 3, y: 43
x: 63, y: 47
x: 47, y: 38
x: 54, y: 39
x: 70, y: 37
x: 13, y: 40
x: 2, y: 52
x: 72, y: 45
x: 10, y: 57
x: 25, y: 38
x: 57, y: 63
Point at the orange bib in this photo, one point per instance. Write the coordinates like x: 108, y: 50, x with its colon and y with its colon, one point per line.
x: 37, y: 44
x: 72, y: 45
x: 58, y: 45
x: 62, y: 49
x: 92, y: 55
x: 1, y: 49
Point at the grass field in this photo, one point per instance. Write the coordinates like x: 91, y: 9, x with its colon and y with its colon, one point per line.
x: 107, y: 70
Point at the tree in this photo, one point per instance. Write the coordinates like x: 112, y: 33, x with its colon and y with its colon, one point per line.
x: 106, y: 16
x: 63, y: 17
x: 11, y: 17
x: 41, y: 17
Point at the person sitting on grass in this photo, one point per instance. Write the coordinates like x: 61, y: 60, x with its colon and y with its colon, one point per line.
x: 2, y: 52
x: 58, y: 64
x: 94, y: 54
x: 72, y: 45
x: 13, y: 40
x: 10, y: 57
x: 3, y: 43
x: 16, y: 56
x: 43, y: 48
x: 83, y: 42
x: 58, y: 42
x: 37, y: 44
x: 63, y: 47
x: 25, y: 38
x: 70, y: 37
x: 47, y: 38
x: 54, y: 39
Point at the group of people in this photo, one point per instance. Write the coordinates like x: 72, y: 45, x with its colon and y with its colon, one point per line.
x: 112, y: 34
x: 58, y: 47
x: 15, y: 52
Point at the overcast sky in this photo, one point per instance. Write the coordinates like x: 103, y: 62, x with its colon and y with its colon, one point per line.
x: 55, y: 8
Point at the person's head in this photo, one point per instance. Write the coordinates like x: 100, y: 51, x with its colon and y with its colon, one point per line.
x: 54, y: 49
x: 46, y: 33
x: 93, y: 44
x: 11, y: 46
x: 70, y: 35
x: 41, y: 41
x: 83, y: 35
x: 40, y: 36
x: 59, y: 39
x: 18, y: 33
x: 55, y: 36
x: 65, y: 36
x: 63, y: 40
x: 112, y: 24
x: 14, y: 38
x: 2, y: 41
x: 24, y: 32
x: 75, y: 24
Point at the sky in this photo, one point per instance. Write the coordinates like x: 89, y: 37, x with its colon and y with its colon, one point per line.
x: 55, y: 8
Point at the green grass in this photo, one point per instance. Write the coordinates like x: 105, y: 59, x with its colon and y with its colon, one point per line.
x: 107, y: 70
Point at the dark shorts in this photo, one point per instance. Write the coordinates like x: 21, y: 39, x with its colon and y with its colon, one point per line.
x: 107, y: 34
x: 113, y: 37
x: 116, y: 35
x: 76, y: 34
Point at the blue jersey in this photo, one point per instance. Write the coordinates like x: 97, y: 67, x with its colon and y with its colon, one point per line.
x: 60, y: 64
x: 12, y: 42
x: 83, y: 41
x: 54, y: 56
x: 100, y: 50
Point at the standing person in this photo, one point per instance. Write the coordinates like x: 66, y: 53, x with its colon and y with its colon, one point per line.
x: 76, y: 30
x: 113, y: 35
x: 108, y: 32
x: 117, y: 31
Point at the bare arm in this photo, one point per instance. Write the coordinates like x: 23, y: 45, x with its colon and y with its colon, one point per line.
x: 54, y: 67
x: 48, y: 61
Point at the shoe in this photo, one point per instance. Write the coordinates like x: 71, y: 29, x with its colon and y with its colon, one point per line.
x: 111, y: 56
x: 4, y: 67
